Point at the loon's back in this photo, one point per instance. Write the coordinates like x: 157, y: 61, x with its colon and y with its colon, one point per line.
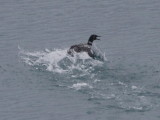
x: 80, y: 48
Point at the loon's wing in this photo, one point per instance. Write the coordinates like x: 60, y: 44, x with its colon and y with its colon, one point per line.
x: 74, y: 48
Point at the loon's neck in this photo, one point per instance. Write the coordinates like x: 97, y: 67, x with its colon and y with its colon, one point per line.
x: 89, y: 43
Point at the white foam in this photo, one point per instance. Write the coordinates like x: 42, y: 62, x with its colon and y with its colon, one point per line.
x: 134, y: 87
x: 79, y: 86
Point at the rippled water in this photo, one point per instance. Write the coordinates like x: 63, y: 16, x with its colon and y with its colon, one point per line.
x: 40, y: 81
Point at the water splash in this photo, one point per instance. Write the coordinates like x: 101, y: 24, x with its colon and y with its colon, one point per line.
x: 59, y: 61
x: 112, y: 88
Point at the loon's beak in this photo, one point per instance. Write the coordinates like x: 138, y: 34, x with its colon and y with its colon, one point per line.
x: 98, y: 38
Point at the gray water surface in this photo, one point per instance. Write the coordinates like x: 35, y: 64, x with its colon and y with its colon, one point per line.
x: 38, y: 81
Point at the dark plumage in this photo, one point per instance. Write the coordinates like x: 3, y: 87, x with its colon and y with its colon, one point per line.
x: 84, y: 47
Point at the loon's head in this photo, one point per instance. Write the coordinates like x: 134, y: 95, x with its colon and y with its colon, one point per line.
x: 92, y: 38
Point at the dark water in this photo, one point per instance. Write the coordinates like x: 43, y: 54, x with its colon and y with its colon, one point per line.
x: 38, y: 81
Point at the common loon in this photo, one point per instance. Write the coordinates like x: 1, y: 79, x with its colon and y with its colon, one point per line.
x: 84, y: 47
